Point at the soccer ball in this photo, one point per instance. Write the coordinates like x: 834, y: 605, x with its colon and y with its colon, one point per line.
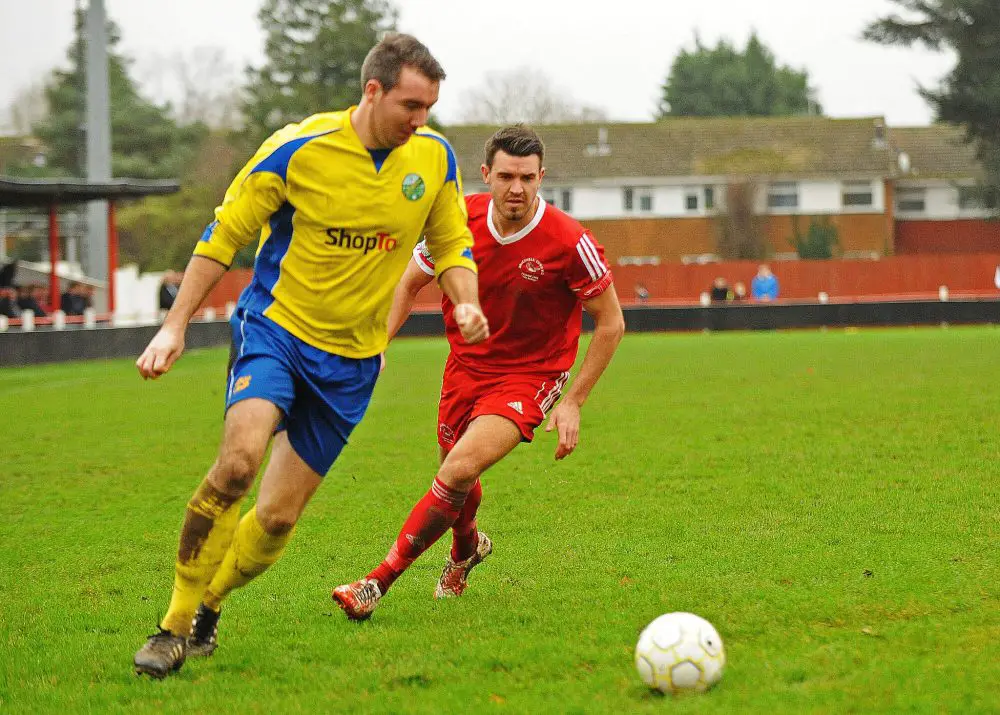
x: 680, y: 652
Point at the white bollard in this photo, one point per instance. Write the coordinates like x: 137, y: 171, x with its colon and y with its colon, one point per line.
x: 89, y: 318
x: 209, y: 315
x: 705, y: 299
x: 230, y: 309
x: 943, y: 293
x: 27, y: 320
x: 4, y: 323
x: 823, y: 297
x: 58, y: 320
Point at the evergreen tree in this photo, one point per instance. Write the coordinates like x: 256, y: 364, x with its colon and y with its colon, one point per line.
x: 970, y: 93
x: 314, y: 51
x: 145, y: 142
x: 722, y: 81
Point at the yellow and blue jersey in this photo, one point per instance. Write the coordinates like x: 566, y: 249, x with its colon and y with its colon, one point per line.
x: 337, y: 224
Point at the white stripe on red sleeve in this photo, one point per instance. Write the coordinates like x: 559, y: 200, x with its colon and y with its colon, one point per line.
x: 422, y: 259
x: 591, y: 250
x: 587, y: 260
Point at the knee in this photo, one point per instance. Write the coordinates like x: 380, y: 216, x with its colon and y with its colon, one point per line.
x: 460, y: 472
x: 275, y: 521
x: 234, y: 471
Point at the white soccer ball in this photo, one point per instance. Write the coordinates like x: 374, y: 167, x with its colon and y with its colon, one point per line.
x: 680, y: 652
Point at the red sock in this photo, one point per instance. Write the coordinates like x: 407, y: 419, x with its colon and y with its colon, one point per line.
x: 465, y: 534
x: 430, y: 519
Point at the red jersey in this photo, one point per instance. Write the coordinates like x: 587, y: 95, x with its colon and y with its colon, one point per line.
x: 531, y: 288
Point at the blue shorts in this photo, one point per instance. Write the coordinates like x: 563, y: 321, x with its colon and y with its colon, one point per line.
x: 323, y: 396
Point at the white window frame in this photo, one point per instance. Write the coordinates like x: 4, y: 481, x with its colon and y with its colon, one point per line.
x: 692, y: 192
x: 911, y: 195
x: 559, y: 196
x: 566, y: 199
x: 857, y: 189
x: 783, y: 197
x: 641, y: 200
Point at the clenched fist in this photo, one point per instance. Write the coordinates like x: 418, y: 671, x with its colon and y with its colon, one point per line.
x: 472, y: 323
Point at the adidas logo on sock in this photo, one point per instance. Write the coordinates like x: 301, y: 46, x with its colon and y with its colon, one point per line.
x: 517, y: 407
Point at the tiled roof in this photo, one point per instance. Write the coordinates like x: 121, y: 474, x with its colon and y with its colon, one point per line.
x: 793, y: 147
x: 939, y: 152
x: 796, y: 147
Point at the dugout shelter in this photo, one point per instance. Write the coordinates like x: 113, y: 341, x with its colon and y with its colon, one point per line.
x: 53, y: 193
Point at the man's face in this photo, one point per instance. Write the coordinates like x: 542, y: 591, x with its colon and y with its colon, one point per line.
x: 514, y: 183
x: 398, y: 113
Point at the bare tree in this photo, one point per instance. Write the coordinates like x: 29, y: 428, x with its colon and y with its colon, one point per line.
x: 523, y: 95
x: 201, y: 85
x: 740, y: 227
x: 28, y: 107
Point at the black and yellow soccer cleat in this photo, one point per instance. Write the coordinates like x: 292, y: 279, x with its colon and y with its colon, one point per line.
x: 162, y: 655
x: 204, y: 638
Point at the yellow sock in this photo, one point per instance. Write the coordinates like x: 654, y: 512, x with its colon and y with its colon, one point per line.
x: 249, y: 555
x: 209, y: 524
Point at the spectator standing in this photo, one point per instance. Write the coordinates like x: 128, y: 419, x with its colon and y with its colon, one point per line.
x: 764, y: 286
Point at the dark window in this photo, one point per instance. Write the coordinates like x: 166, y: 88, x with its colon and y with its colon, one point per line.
x: 567, y: 200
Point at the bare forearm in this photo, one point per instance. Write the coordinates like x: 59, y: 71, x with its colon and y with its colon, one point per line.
x: 402, y: 306
x: 200, y: 277
x: 460, y: 285
x: 602, y: 348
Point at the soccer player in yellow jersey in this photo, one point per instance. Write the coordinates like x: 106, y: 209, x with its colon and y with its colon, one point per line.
x: 338, y: 203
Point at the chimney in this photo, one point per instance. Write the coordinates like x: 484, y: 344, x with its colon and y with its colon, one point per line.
x: 601, y: 148
x: 880, y: 140
x: 904, y: 162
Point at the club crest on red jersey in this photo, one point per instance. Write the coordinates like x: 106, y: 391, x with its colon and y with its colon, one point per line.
x: 531, y: 269
x: 447, y: 434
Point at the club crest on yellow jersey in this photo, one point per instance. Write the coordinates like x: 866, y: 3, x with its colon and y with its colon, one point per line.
x: 413, y: 187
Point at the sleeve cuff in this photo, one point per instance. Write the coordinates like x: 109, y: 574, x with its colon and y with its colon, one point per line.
x: 422, y: 261
x: 215, y: 252
x: 454, y: 261
x: 596, y: 288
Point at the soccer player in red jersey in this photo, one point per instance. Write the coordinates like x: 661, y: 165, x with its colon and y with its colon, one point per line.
x: 538, y: 268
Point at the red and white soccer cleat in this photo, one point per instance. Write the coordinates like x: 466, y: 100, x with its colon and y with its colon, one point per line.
x: 359, y: 599
x: 453, y: 579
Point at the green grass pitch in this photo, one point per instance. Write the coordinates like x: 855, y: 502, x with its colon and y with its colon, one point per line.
x: 829, y: 500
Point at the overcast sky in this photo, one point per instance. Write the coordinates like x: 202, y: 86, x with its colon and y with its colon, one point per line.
x: 611, y: 55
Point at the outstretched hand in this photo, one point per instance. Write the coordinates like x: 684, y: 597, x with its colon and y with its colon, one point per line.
x: 565, y: 420
x: 161, y: 353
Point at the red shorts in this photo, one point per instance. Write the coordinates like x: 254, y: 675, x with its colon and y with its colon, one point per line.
x: 524, y: 399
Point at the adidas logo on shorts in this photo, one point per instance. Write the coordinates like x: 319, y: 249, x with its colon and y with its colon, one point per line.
x: 517, y: 407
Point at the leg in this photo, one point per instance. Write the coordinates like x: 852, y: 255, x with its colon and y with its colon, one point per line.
x: 465, y: 535
x: 213, y: 511
x: 208, y: 528
x: 488, y: 439
x: 330, y: 399
x: 287, y: 486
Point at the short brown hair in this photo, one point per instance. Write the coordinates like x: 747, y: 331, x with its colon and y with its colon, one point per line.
x: 393, y: 52
x: 515, y: 140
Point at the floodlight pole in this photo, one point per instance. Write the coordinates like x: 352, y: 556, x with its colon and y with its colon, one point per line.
x: 54, y: 296
x: 98, y: 141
